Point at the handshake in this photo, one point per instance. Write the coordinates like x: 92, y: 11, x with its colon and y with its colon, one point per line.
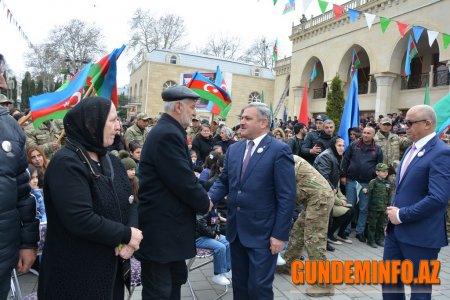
x: 126, y: 251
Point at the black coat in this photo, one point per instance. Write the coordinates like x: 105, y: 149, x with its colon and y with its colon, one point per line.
x: 169, y: 195
x: 328, y: 166
x: 360, y: 161
x: 88, y: 216
x: 202, y: 146
x: 19, y: 227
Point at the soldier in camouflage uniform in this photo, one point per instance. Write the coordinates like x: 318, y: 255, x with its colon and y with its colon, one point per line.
x: 139, y: 131
x: 379, y: 198
x: 404, y: 142
x: 388, y: 141
x: 45, y: 136
x: 311, y: 227
x: 194, y: 129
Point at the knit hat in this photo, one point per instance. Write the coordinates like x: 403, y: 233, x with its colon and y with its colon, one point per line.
x: 128, y: 163
x: 382, y: 167
x: 123, y: 154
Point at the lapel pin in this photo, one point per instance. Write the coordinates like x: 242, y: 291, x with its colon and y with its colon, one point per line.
x: 6, y: 146
x: 260, y: 150
x: 421, y: 153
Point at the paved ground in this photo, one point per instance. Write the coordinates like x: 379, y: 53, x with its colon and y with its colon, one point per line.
x: 284, y: 288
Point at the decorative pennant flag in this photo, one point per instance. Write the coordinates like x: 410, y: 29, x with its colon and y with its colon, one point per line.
x: 446, y: 40
x: 426, y: 99
x: 350, y: 115
x: 275, y: 2
x: 323, y: 5
x: 353, y: 14
x: 384, y: 22
x: 209, y: 91
x: 417, y: 30
x: 402, y: 28
x: 370, y: 18
x: 55, y: 105
x: 306, y: 4
x: 442, y: 109
x: 275, y: 51
x: 338, y: 10
x: 355, y: 62
x: 290, y: 6
x: 410, y: 53
x: 314, y: 72
x: 303, y: 116
x: 432, y: 35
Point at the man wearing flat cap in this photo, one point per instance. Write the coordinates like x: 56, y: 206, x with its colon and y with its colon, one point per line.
x: 139, y: 131
x: 170, y: 196
x: 388, y: 141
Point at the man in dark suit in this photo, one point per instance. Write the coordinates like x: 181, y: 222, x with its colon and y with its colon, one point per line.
x: 259, y: 178
x: 416, y: 229
x: 169, y: 198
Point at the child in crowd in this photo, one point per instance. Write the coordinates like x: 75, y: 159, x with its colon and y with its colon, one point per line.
x: 196, y: 163
x: 37, y: 193
x: 130, y: 165
x: 210, y: 163
x: 207, y: 233
x: 379, y: 198
x: 135, y: 152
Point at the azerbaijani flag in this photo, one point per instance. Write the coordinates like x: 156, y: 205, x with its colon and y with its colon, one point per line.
x: 55, y: 105
x: 359, y: 188
x: 355, y: 62
x: 209, y: 91
x: 275, y: 51
x: 314, y: 72
x: 410, y: 53
x: 290, y: 6
x: 220, y: 81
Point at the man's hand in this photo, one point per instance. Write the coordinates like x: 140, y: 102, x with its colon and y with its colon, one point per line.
x: 136, y: 238
x: 364, y: 190
x: 276, y: 246
x: 26, y: 260
x: 315, y: 150
x: 126, y: 252
x: 391, y: 212
x: 56, y: 146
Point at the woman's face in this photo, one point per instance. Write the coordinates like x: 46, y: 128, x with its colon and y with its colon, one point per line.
x: 131, y: 173
x: 223, y: 135
x: 136, y: 154
x: 37, y: 159
x: 34, y: 180
x: 112, y: 126
x: 205, y: 132
x: 340, y: 146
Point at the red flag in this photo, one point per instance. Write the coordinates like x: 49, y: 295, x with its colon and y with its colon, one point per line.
x: 338, y: 10
x: 303, y: 114
x: 402, y: 28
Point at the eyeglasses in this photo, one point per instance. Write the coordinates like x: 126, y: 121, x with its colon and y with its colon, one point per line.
x: 410, y: 123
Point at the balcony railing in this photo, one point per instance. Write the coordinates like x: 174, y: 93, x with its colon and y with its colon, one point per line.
x: 363, y: 88
x: 441, y: 77
x: 416, y: 81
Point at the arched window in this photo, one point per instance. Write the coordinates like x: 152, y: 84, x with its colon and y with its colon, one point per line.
x: 254, y: 97
x: 173, y: 60
x: 169, y: 83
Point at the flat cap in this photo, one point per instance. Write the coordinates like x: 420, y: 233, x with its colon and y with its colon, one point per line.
x: 4, y: 99
x: 382, y: 167
x: 178, y: 92
x: 142, y: 116
x: 386, y: 121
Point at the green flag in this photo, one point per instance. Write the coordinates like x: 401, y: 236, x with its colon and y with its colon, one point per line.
x: 446, y: 39
x: 442, y: 109
x: 275, y: 2
x: 426, y: 100
x: 323, y: 5
x: 384, y: 22
x: 262, y: 97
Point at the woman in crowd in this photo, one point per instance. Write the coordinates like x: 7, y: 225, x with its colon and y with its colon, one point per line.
x: 37, y: 193
x: 329, y: 164
x: 278, y: 133
x: 202, y: 143
x: 37, y: 158
x: 91, y: 232
x: 226, y: 138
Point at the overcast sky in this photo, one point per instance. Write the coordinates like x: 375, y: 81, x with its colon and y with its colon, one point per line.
x: 247, y: 19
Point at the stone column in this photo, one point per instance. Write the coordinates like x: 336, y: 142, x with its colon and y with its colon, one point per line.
x: 430, y: 80
x: 384, y: 92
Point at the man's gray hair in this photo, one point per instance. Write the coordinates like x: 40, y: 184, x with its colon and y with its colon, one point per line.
x: 169, y: 106
x: 328, y: 122
x: 263, y: 111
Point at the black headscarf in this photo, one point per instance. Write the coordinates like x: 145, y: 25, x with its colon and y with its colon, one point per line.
x: 333, y: 148
x: 85, y: 122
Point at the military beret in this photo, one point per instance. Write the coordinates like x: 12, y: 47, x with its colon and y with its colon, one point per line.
x: 382, y: 167
x: 178, y: 92
x: 3, y: 99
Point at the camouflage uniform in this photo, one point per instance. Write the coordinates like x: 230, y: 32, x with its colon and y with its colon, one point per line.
x: 379, y: 198
x: 134, y: 133
x: 390, y: 146
x: 310, y: 229
x: 192, y: 132
x: 404, y: 144
x: 44, y: 136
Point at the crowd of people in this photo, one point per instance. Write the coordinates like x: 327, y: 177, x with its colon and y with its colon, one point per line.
x: 158, y: 188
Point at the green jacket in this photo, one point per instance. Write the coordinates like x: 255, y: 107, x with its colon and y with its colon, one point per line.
x: 134, y: 133
x: 379, y: 194
x: 390, y: 146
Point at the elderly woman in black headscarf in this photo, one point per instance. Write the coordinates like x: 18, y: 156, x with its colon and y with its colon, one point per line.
x: 91, y: 230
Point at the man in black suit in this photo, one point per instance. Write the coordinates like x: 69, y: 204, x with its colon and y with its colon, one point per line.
x: 170, y: 196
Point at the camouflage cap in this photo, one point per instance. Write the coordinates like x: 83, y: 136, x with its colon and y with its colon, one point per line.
x: 386, y: 121
x: 382, y: 167
x: 4, y: 99
x: 142, y: 116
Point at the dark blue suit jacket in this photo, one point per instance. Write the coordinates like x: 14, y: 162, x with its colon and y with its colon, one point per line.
x: 422, y: 196
x: 261, y: 205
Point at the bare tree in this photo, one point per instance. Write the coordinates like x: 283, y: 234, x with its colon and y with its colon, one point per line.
x: 149, y: 33
x: 77, y: 40
x: 44, y: 62
x: 259, y: 53
x: 222, y: 46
